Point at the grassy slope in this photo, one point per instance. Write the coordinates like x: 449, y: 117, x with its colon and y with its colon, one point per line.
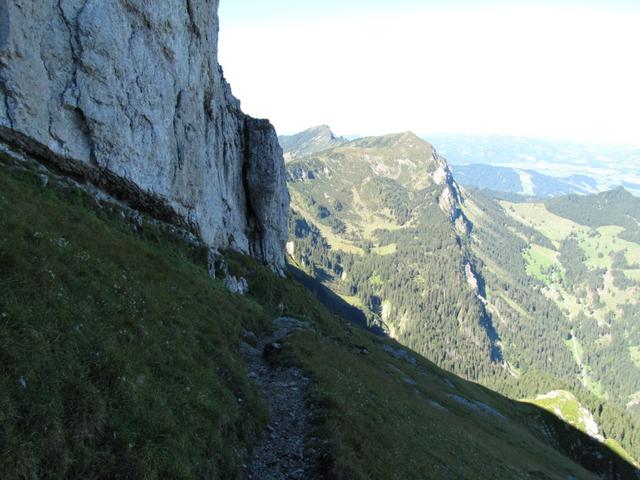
x: 119, y: 359
x: 123, y: 346
x: 540, y: 262
x: 566, y: 405
x: 362, y: 177
x: 597, y: 245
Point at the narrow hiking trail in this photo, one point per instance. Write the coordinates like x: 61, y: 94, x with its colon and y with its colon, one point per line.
x: 280, y: 453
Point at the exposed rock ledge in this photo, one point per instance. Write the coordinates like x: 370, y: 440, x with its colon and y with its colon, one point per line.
x: 128, y: 95
x: 450, y: 200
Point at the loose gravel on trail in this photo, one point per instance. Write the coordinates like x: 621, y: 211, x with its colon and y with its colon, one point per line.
x: 280, y: 453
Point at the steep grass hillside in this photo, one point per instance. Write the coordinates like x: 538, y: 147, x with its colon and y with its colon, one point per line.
x: 117, y: 351
x: 119, y: 358
x: 567, y: 407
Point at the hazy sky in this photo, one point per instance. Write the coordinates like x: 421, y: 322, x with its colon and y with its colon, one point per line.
x: 544, y: 69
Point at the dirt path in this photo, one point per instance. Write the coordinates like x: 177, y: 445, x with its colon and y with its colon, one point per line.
x: 280, y: 454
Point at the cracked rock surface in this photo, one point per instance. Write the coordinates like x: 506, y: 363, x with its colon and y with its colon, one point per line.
x: 129, y: 95
x: 281, y: 452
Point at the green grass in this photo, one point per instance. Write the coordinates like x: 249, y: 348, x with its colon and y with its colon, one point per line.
x: 576, y: 349
x: 335, y: 241
x: 634, y: 352
x: 539, y: 261
x: 565, y: 405
x: 352, y: 300
x: 363, y: 405
x: 537, y: 216
x: 593, y: 385
x: 597, y: 245
x: 617, y: 448
x: 633, y: 274
x: 613, y: 297
x: 386, y: 249
x: 598, y: 248
x: 117, y: 351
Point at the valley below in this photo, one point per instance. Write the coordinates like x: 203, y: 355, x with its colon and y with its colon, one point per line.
x: 528, y: 297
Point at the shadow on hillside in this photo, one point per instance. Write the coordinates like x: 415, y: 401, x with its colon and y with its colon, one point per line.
x: 583, y: 449
x: 549, y: 429
x: 487, y: 323
x: 330, y: 300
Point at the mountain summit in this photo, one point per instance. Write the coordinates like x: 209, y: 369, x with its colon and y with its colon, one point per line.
x: 400, y: 164
x: 312, y: 140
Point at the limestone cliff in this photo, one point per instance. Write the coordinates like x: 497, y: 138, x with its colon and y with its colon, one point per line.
x: 129, y: 95
x: 450, y: 199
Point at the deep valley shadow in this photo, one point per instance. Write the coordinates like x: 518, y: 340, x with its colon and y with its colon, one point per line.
x: 330, y: 300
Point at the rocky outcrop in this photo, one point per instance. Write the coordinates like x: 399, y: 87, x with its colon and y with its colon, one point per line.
x: 266, y: 186
x: 128, y: 95
x: 450, y: 199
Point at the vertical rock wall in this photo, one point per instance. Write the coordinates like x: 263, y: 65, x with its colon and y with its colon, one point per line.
x: 129, y: 95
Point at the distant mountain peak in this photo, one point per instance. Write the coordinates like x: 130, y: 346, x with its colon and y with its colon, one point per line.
x: 409, y: 135
x: 324, y: 129
x: 309, y: 141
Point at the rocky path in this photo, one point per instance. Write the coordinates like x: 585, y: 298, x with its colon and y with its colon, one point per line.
x: 280, y: 454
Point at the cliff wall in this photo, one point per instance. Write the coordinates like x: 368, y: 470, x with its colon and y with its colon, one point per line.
x: 129, y: 95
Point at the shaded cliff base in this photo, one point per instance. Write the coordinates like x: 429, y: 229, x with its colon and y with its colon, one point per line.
x: 22, y: 152
x: 120, y: 358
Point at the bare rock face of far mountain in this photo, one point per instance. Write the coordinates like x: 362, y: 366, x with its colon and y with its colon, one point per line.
x: 128, y: 94
x: 312, y: 140
x: 450, y: 199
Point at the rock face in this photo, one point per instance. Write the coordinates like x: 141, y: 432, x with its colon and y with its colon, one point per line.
x: 450, y: 197
x: 450, y: 200
x: 128, y: 94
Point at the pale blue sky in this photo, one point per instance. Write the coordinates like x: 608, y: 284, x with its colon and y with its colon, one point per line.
x: 556, y: 69
x: 240, y: 11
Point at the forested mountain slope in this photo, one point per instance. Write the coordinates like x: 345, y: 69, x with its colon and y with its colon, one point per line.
x: 584, y: 260
x: 383, y: 207
x: 551, y: 290
x: 453, y: 279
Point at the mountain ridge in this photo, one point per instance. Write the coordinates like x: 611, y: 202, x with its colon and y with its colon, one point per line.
x: 403, y: 157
